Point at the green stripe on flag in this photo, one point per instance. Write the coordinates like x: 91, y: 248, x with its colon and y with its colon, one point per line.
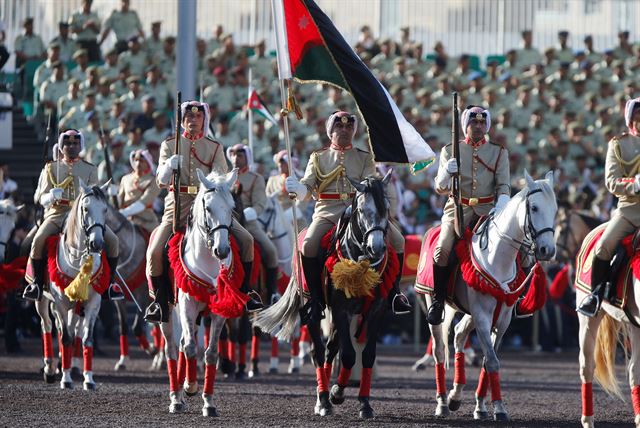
x: 317, y: 65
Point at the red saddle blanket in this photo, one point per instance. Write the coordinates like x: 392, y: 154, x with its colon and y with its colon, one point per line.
x: 224, y: 298
x: 625, y: 276
x: 11, y: 273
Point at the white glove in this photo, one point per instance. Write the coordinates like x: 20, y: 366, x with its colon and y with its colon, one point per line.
x: 174, y: 161
x: 452, y: 167
x: 112, y: 190
x: 135, y: 208
x: 294, y: 186
x: 165, y: 170
x: 56, y: 193
x: 47, y: 199
x: 502, y: 201
x: 443, y: 180
x: 250, y: 214
x: 636, y: 184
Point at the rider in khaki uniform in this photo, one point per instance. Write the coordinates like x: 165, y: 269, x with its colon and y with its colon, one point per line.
x: 138, y: 190
x: 254, y: 201
x: 622, y: 177
x: 196, y: 151
x: 276, y: 186
x: 484, y: 175
x: 58, y: 188
x: 326, y: 176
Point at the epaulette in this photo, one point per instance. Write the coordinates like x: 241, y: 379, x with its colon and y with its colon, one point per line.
x: 212, y: 140
x: 166, y: 140
x: 447, y: 145
x: 87, y: 162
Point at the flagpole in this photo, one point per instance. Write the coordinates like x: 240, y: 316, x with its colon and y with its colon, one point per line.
x: 250, y: 117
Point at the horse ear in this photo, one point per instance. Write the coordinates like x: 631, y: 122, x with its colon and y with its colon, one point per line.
x: 203, y: 179
x: 550, y: 177
x: 530, y: 182
x: 232, y: 177
x: 357, y: 185
x: 105, y: 186
x: 387, y: 177
x: 84, y: 187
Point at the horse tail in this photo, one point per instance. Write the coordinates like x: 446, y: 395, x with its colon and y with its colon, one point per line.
x: 281, y: 318
x: 609, y: 334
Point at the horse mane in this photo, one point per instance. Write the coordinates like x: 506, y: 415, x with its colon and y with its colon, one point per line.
x: 71, y: 227
x: 376, y: 188
x: 218, y: 181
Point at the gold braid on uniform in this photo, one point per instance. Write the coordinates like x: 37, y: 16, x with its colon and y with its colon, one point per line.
x: 326, y: 179
x: 64, y: 184
x: 633, y: 163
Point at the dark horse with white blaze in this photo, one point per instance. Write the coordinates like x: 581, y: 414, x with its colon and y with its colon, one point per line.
x: 358, y: 250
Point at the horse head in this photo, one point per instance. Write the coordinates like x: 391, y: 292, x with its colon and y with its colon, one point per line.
x: 540, y: 215
x: 370, y: 215
x: 8, y: 216
x: 212, y: 211
x: 88, y: 218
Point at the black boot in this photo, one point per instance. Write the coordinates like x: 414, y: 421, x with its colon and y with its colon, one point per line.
x: 33, y: 291
x: 254, y: 303
x: 312, y: 311
x: 115, y: 291
x: 158, y: 310
x: 591, y: 304
x: 271, y: 280
x: 399, y: 302
x: 440, y: 281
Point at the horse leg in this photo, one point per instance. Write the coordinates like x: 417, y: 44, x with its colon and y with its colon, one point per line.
x: 188, y: 312
x: 438, y: 347
x: 124, y: 340
x: 66, y: 345
x: 462, y: 330
x: 255, y: 352
x: 340, y: 339
x: 305, y: 343
x: 42, y: 307
x: 323, y: 406
x: 634, y: 373
x: 77, y: 321
x: 588, y: 332
x: 210, y: 359
x: 244, y: 330
x: 504, y: 319
x: 275, y: 360
x: 223, y: 349
x: 177, y: 404
x: 368, y: 359
x: 158, y: 344
x: 333, y: 347
x: 294, y: 362
x: 92, y: 307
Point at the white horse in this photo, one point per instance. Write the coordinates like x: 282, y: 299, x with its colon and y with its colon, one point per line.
x: 206, y: 250
x: 8, y: 216
x: 528, y: 216
x: 82, y: 237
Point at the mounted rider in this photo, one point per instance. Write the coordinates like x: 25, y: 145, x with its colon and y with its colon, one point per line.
x: 484, y: 176
x: 326, y: 177
x: 276, y: 186
x: 622, y: 178
x: 197, y: 151
x: 254, y: 201
x: 58, y: 187
x: 138, y: 190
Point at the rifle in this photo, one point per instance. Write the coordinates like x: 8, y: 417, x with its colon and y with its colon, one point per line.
x: 45, y: 159
x: 458, y: 222
x: 176, y: 173
x: 107, y: 161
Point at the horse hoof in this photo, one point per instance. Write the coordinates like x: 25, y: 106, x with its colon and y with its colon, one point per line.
x: 273, y: 370
x: 366, y: 413
x: 336, y: 396
x: 480, y: 416
x: 294, y: 370
x: 66, y: 385
x: 253, y: 374
x: 324, y: 411
x: 240, y: 375
x: 120, y: 367
x: 209, y: 412
x: 501, y: 417
x: 442, y: 411
x: 191, y: 393
x: 49, y: 378
x: 454, y: 405
x: 76, y: 372
x: 177, y: 408
x: 418, y: 367
x: 88, y: 386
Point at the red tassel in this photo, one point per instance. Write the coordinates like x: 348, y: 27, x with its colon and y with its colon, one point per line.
x: 483, y: 384
x: 536, y: 295
x: 207, y: 333
x: 88, y: 358
x: 242, y: 358
x: 255, y: 348
x: 494, y: 380
x: 192, y: 371
x: 77, y: 347
x: 343, y: 377
x: 365, y: 383
x: 67, y: 353
x: 321, y: 379
x: 587, y: 399
x: 143, y: 341
x: 172, y: 369
x: 304, y: 334
x: 559, y: 283
x: 232, y: 351
x: 441, y: 381
x: 459, y: 376
x: 328, y: 369
x: 635, y: 399
x: 47, y: 345
x: 209, y: 378
x: 274, y: 347
x: 124, y: 345
x: 182, y: 368
x: 295, y: 347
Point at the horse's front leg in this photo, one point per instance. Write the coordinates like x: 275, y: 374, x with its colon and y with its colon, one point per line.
x: 323, y: 406
x: 588, y: 332
x: 65, y: 337
x: 210, y: 360
x: 374, y: 325
x: 91, y: 309
x: 121, y: 311
x: 188, y: 312
x: 340, y: 340
x: 634, y: 373
x: 177, y: 404
x: 438, y: 338
x: 42, y: 307
x: 462, y: 331
x: 332, y: 349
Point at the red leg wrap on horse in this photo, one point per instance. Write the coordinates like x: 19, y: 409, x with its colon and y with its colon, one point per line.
x: 207, y: 333
x: 182, y: 367
x: 242, y: 358
x: 192, y: 370
x: 430, y: 347
x: 441, y: 380
x: 304, y: 334
x: 47, y: 345
x: 328, y: 368
x: 587, y: 399
x: 77, y: 347
x: 295, y: 347
x: 483, y: 384
x: 87, y: 354
x: 635, y: 399
x: 232, y: 352
x: 223, y: 348
x: 459, y: 376
x: 209, y: 378
x: 274, y: 347
x: 343, y: 377
x: 124, y: 345
x: 255, y: 348
x: 67, y: 353
x: 163, y: 342
x: 156, y: 333
x: 172, y: 369
x: 143, y: 341
x: 365, y: 383
x: 321, y: 378
x: 494, y: 380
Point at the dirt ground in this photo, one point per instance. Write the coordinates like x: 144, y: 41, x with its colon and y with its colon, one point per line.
x: 538, y: 389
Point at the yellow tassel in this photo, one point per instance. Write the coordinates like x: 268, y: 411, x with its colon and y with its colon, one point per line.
x: 355, y: 279
x: 292, y: 104
x: 78, y: 290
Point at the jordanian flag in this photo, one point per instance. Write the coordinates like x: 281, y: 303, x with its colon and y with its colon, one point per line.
x: 311, y: 49
x: 256, y: 104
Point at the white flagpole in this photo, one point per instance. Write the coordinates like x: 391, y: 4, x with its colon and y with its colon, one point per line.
x: 250, y: 116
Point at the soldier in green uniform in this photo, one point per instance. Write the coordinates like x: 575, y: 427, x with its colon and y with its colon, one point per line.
x: 138, y: 190
x: 125, y: 23
x: 86, y: 27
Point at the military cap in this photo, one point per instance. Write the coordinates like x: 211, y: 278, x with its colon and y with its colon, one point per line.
x: 624, y: 34
x: 112, y: 52
x: 78, y: 53
x: 147, y: 98
x: 90, y: 93
x: 54, y: 45
x: 103, y: 81
x: 28, y: 20
x: 133, y: 79
x: 57, y: 64
x: 563, y: 33
x: 73, y: 81
x: 63, y: 24
x: 422, y: 92
x: 157, y: 114
x: 133, y: 39
x: 156, y: 23
x: 398, y: 60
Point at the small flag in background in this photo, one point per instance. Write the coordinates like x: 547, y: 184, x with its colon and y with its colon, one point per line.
x: 256, y: 104
x: 311, y: 49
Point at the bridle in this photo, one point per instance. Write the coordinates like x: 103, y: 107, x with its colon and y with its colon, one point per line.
x: 271, y: 218
x: 355, y: 235
x: 88, y: 228
x: 205, y: 229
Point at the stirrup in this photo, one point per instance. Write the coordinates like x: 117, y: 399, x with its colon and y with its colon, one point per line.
x: 589, y: 313
x: 153, y: 314
x: 32, y: 292
x: 257, y: 302
x: 115, y: 292
x: 402, y: 299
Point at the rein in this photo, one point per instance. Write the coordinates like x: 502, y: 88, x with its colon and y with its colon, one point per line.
x: 266, y: 222
x: 353, y: 234
x: 205, y: 229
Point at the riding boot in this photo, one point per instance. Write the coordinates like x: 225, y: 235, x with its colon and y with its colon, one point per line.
x: 440, y: 281
x: 312, y: 311
x: 33, y: 291
x: 158, y: 310
x: 591, y: 304
x: 271, y: 280
x: 254, y: 303
x: 114, y: 291
x: 398, y: 301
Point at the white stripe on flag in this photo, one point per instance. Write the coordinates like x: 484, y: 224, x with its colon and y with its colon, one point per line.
x: 282, y: 45
x: 414, y: 145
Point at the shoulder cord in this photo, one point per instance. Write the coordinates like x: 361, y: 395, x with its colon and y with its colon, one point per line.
x: 326, y: 179
x: 634, y: 163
